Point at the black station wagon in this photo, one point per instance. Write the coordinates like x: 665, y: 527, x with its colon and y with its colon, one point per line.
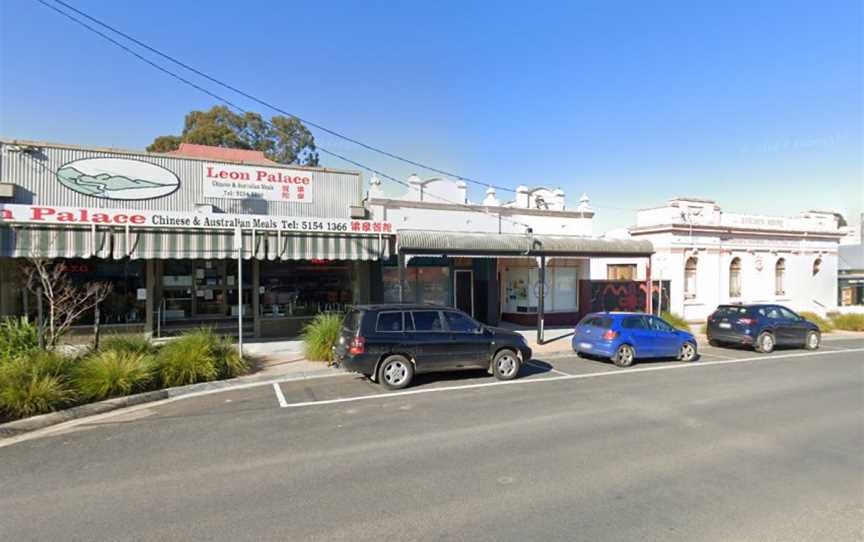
x: 392, y: 343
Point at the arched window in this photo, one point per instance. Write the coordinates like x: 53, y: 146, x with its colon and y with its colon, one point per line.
x: 735, y: 278
x: 779, y: 277
x: 690, y: 278
x: 817, y: 265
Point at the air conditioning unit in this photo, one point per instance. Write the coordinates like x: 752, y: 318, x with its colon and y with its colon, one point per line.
x: 7, y: 190
x: 357, y: 211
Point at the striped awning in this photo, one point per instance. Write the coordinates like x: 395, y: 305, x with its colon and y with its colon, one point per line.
x: 119, y: 243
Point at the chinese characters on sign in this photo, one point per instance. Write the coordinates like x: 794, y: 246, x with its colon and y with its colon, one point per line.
x: 253, y: 182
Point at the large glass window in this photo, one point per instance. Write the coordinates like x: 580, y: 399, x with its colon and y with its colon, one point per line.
x: 305, y: 288
x: 126, y: 277
x: 690, y: 278
x: 779, y: 277
x: 735, y: 278
x: 204, y: 289
x: 423, y: 284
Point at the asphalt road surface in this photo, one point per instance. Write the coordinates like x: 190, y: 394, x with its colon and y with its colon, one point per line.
x: 736, y: 446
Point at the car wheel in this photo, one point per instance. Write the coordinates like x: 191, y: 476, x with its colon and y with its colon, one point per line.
x: 625, y: 356
x: 505, y: 365
x: 687, y: 352
x: 396, y: 372
x: 765, y: 342
x: 814, y: 341
x: 582, y: 355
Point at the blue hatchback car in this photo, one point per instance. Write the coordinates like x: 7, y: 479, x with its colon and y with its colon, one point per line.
x: 625, y: 336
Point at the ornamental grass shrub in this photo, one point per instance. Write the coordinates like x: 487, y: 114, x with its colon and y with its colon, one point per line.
x: 34, y: 383
x: 187, y: 360
x: 136, y: 344
x: 824, y: 324
x: 229, y: 363
x: 109, y: 373
x: 320, y: 335
x: 17, y: 336
x: 848, y: 322
x: 675, y: 320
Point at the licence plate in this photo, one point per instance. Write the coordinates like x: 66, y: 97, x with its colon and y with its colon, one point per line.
x: 725, y: 325
x: 586, y: 346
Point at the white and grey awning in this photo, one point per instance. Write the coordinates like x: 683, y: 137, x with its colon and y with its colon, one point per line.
x: 22, y: 241
x: 513, y: 244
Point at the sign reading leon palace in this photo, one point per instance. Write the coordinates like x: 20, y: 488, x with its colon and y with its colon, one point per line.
x: 253, y: 182
x: 49, y: 214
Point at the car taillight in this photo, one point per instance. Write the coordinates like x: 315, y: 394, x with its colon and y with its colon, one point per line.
x: 746, y: 321
x: 358, y: 346
x: 609, y: 335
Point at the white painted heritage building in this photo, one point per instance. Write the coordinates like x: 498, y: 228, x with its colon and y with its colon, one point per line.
x: 712, y: 257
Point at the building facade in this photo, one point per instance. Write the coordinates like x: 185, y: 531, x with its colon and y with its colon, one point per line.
x: 711, y: 257
x: 491, y: 259
x: 195, y: 237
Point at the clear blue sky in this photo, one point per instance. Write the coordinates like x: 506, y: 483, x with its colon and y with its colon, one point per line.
x: 759, y: 105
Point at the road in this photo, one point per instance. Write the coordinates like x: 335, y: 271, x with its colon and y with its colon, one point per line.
x: 737, y: 446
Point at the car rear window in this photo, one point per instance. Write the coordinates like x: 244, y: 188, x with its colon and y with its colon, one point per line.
x: 352, y: 320
x: 389, y: 322
x: 427, y: 321
x: 603, y: 322
x: 731, y: 310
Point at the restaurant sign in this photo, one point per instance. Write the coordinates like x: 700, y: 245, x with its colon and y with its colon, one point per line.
x: 254, y: 182
x: 49, y: 214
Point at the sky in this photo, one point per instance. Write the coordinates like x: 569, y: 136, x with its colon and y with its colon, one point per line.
x: 758, y: 105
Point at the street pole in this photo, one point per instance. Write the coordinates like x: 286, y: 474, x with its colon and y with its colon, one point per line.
x: 238, y: 241
x: 541, y: 297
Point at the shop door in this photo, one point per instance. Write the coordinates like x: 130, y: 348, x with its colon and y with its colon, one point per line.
x: 463, y: 291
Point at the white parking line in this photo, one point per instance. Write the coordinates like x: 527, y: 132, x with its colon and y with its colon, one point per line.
x: 679, y: 365
x: 279, y: 395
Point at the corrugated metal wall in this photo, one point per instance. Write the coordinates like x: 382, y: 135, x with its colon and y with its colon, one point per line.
x: 332, y: 193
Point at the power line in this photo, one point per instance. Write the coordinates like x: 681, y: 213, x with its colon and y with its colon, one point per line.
x: 271, y: 106
x: 242, y: 110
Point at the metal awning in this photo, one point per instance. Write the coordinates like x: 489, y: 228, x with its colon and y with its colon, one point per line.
x: 24, y: 241
x: 510, y: 244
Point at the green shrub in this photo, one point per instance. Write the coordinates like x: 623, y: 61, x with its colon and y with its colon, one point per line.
x: 675, y: 320
x: 848, y: 322
x: 110, y: 373
x: 136, y: 344
x: 187, y: 359
x: 824, y: 324
x: 31, y: 385
x: 320, y: 335
x: 229, y: 364
x: 17, y: 336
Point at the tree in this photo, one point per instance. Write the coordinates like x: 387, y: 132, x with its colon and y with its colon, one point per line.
x: 284, y: 139
x: 65, y: 301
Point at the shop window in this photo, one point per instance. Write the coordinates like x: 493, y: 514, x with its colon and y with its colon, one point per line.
x: 305, y: 288
x: 564, y: 292
x: 122, y: 306
x: 735, y: 278
x: 690, y: 278
x: 204, y: 289
x: 817, y: 266
x: 423, y: 284
x: 779, y: 277
x: 621, y: 271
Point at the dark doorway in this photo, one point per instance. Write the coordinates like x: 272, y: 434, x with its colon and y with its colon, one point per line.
x: 464, y: 290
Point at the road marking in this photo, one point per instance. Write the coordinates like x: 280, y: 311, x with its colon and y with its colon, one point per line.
x: 526, y: 381
x: 279, y: 395
x: 550, y: 368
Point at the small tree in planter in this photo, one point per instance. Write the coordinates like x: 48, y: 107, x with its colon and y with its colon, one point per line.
x: 64, y: 302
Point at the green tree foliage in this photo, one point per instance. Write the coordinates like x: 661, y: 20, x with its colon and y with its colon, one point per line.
x: 284, y: 140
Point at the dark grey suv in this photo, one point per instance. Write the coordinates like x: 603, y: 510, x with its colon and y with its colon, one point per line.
x: 392, y: 343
